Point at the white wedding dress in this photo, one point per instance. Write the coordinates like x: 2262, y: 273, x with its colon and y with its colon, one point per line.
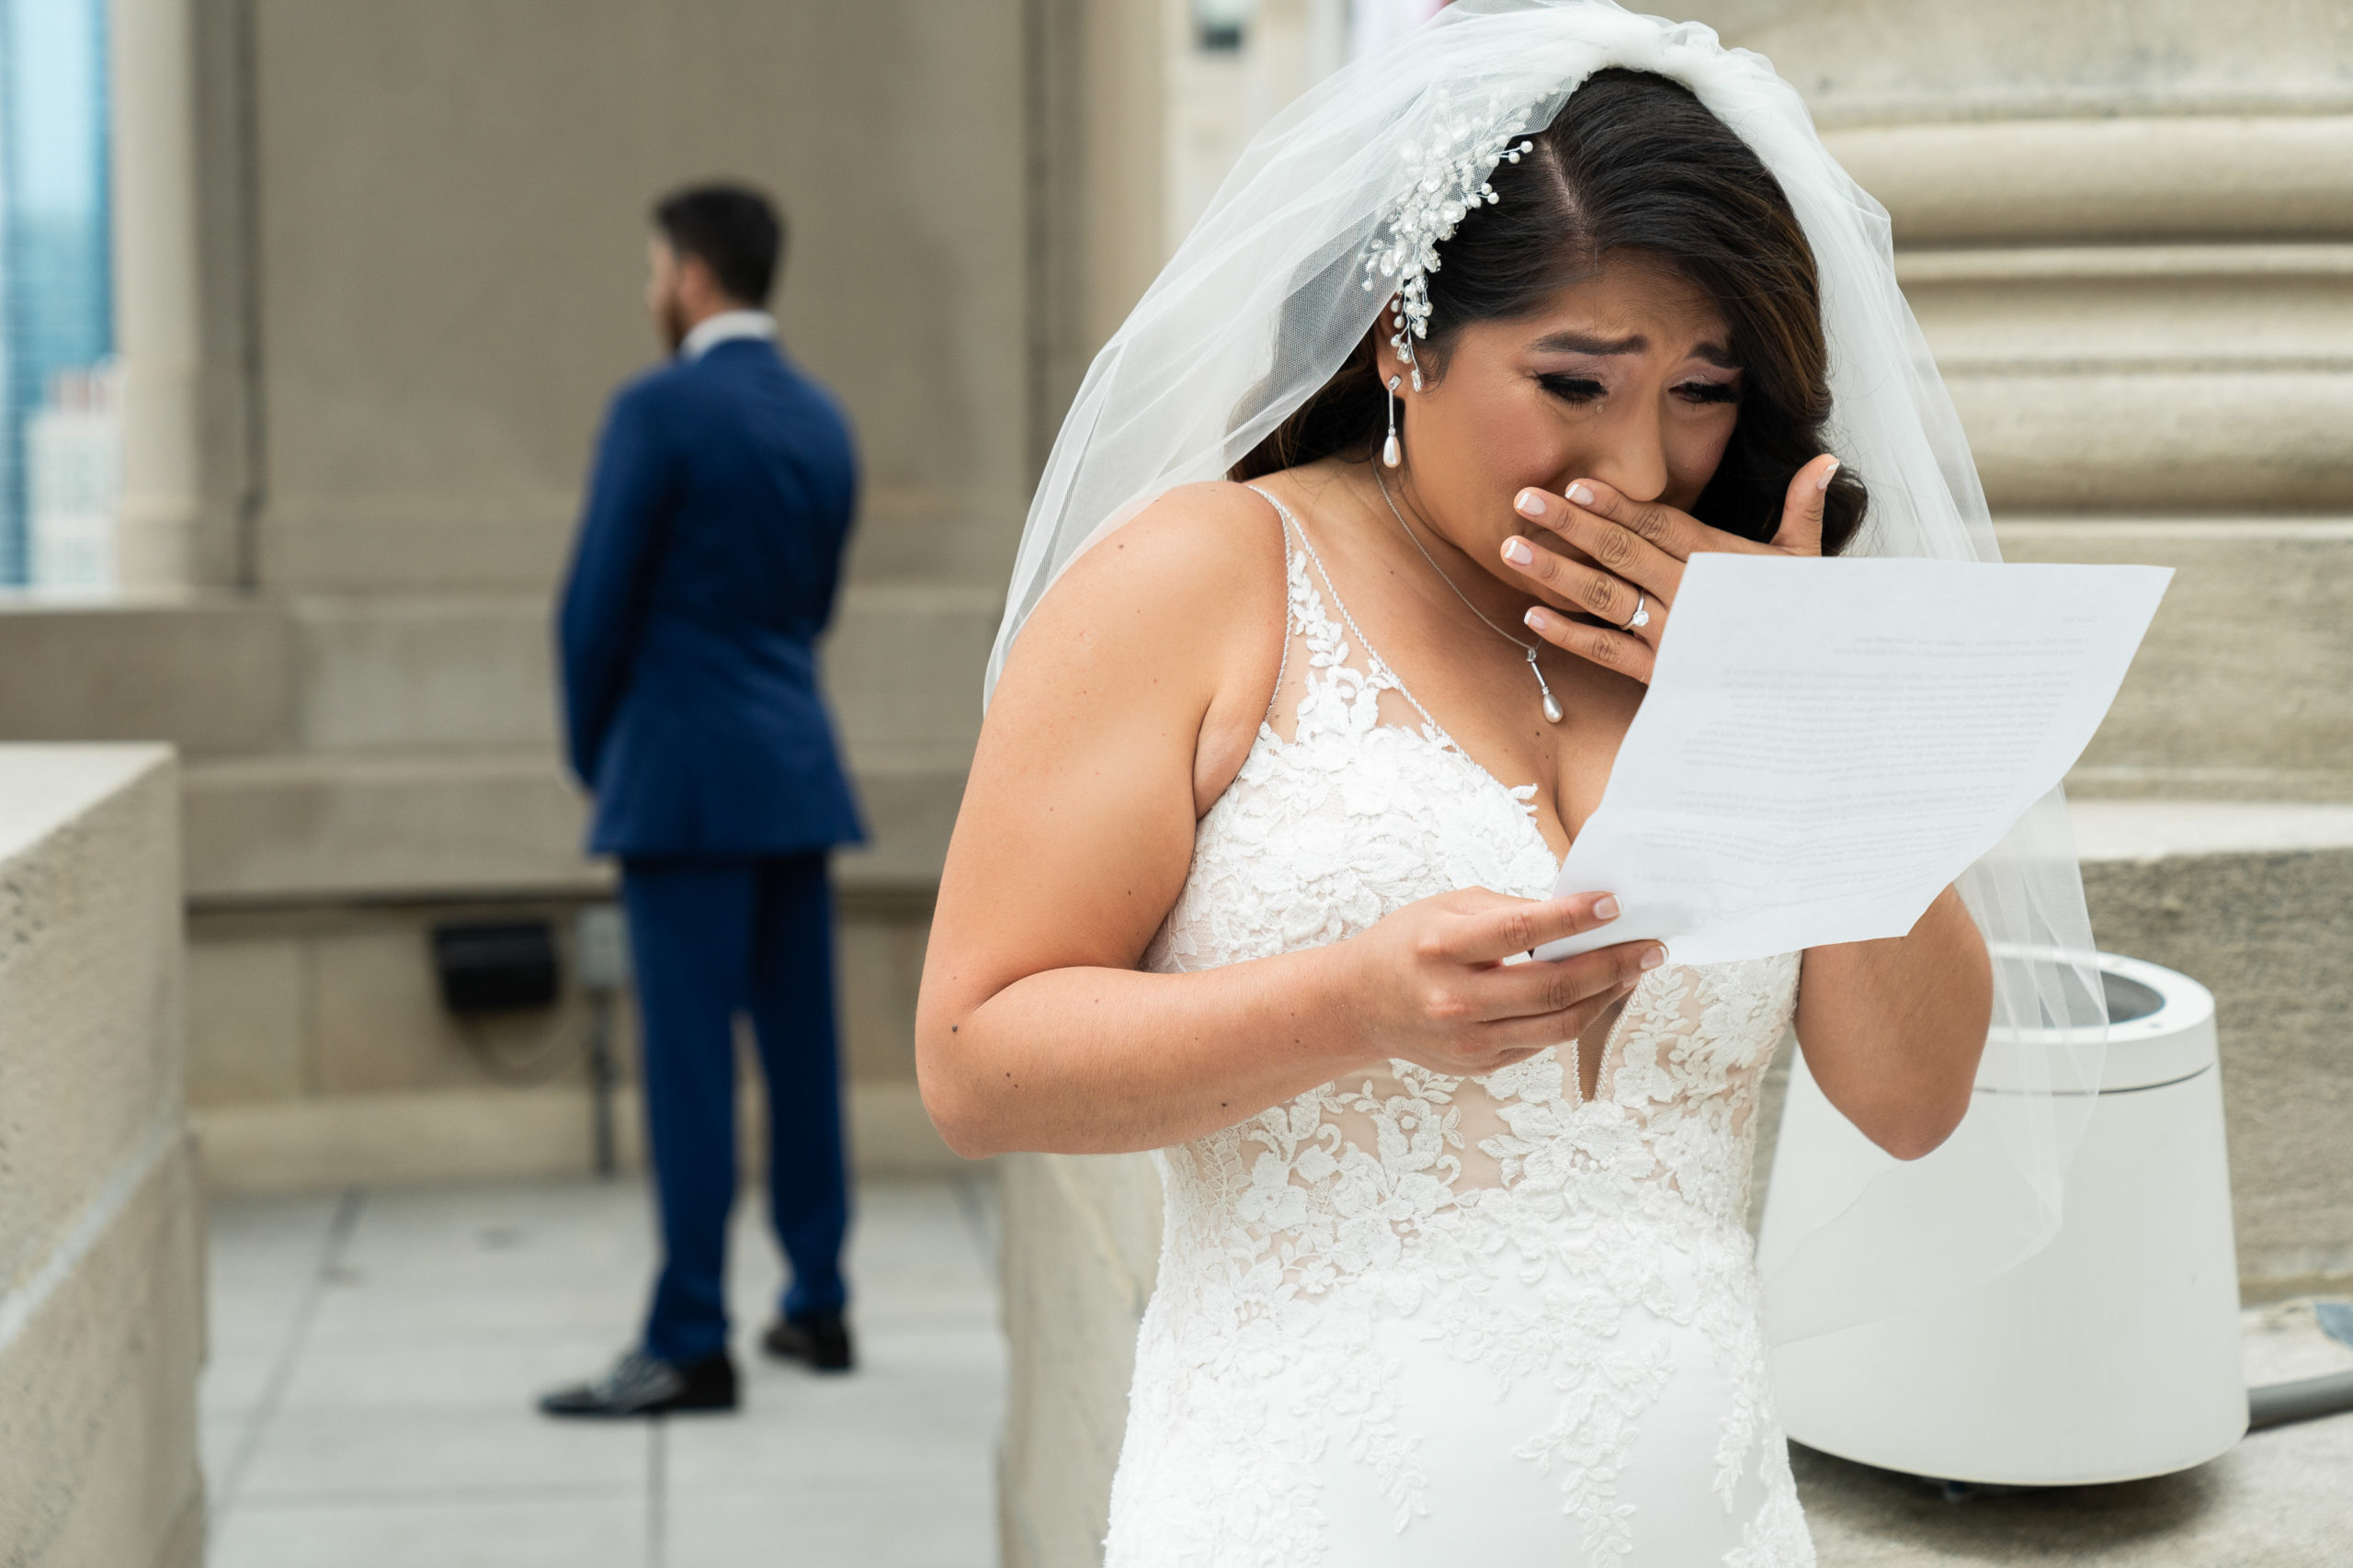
x: 1408, y: 1318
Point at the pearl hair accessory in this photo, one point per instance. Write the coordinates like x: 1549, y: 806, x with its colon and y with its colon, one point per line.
x: 1452, y: 168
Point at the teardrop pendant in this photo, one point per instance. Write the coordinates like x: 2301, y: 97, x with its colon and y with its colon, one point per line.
x: 1553, y: 714
x: 1390, y: 456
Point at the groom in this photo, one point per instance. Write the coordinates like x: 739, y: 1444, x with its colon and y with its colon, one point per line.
x: 705, y: 569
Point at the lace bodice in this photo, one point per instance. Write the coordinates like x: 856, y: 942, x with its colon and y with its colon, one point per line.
x: 1502, y: 1218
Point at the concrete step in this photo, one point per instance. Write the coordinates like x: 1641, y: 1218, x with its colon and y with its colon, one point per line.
x: 2240, y: 690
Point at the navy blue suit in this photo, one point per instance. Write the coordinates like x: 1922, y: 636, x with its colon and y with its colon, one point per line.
x: 706, y: 566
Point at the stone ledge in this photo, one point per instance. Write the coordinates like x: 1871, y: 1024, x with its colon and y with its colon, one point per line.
x: 2248, y: 601
x: 2117, y: 263
x: 2113, y: 438
x: 90, y: 979
x: 327, y: 827
x: 2157, y: 830
x: 101, y: 1310
x: 489, y: 1134
x: 1981, y: 181
x: 210, y: 675
x: 411, y: 671
x: 300, y: 827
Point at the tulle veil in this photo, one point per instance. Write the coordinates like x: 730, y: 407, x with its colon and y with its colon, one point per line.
x: 1266, y: 298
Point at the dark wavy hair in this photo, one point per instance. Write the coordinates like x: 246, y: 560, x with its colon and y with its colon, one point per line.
x: 1635, y: 162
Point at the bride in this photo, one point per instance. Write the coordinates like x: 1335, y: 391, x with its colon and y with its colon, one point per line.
x: 1338, y: 596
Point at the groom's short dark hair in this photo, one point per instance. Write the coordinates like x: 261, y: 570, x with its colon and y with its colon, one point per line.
x: 734, y: 229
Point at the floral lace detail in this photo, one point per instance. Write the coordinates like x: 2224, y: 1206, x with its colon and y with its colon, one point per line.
x: 1594, y: 1250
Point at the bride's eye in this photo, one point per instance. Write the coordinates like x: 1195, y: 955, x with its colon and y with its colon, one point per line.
x: 1709, y: 391
x: 1573, y: 389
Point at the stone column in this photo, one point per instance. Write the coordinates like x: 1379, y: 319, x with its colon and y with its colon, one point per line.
x: 157, y: 321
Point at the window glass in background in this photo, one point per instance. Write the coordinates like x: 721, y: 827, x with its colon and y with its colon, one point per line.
x: 58, y: 465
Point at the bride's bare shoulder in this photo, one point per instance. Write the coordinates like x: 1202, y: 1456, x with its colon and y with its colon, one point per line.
x: 1191, y: 587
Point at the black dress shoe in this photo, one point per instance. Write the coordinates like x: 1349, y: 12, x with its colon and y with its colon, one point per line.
x: 640, y: 1385
x: 821, y: 1339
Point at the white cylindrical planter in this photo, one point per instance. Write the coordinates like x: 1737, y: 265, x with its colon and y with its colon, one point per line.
x: 2111, y: 1355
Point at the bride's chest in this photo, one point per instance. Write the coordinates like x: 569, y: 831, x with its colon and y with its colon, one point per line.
x: 1319, y: 837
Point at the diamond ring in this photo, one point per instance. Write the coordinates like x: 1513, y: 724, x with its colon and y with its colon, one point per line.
x: 1641, y: 614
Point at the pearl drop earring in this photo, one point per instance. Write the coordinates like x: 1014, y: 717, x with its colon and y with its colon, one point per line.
x: 1391, y: 453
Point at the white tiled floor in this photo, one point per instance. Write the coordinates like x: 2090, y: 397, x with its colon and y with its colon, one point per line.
x: 375, y: 1357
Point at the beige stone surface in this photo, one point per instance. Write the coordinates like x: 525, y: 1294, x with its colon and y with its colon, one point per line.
x: 452, y: 233
x: 89, y: 978
x: 2271, y: 935
x: 877, y: 968
x: 325, y: 828
x: 248, y: 1020
x: 2276, y: 1500
x: 2224, y: 439
x: 2167, y: 379
x: 1887, y: 60
x: 2239, y: 685
x: 411, y: 671
x: 1081, y: 1241
x: 400, y: 1137
x: 101, y: 1316
x: 165, y: 537
x: 2050, y: 178
x: 210, y: 675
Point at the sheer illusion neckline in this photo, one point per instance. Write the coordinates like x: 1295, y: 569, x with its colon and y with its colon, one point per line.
x: 1436, y: 734
x: 1439, y: 739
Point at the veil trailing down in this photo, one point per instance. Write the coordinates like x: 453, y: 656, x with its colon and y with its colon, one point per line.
x: 1283, y: 278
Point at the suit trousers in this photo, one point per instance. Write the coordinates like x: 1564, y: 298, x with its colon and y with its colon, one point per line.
x: 711, y: 939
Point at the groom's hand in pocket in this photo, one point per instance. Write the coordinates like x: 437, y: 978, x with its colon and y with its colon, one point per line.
x: 1447, y: 984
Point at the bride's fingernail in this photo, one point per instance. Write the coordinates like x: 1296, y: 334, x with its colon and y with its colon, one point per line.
x: 1528, y: 504
x: 1827, y: 475
x: 1516, y: 550
x: 1580, y: 495
x: 1536, y: 620
x: 1653, y: 957
x: 1604, y: 908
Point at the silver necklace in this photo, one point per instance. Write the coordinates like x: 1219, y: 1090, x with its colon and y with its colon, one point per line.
x: 1551, y: 706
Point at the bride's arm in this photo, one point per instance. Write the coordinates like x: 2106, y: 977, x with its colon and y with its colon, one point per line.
x: 1126, y: 706
x: 1892, y: 1029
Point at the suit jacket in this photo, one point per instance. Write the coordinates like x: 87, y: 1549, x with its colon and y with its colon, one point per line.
x: 705, y: 570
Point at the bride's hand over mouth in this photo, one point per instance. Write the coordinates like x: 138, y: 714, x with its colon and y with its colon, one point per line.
x: 1626, y: 558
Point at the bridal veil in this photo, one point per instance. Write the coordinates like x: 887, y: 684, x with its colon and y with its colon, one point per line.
x: 1270, y: 294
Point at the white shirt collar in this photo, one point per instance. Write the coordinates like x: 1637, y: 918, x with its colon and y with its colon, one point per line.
x: 724, y: 327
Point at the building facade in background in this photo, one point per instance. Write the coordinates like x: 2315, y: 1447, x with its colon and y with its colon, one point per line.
x: 56, y: 293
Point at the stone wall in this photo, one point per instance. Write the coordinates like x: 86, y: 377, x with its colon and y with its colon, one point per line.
x: 101, y: 1270
x: 380, y: 266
